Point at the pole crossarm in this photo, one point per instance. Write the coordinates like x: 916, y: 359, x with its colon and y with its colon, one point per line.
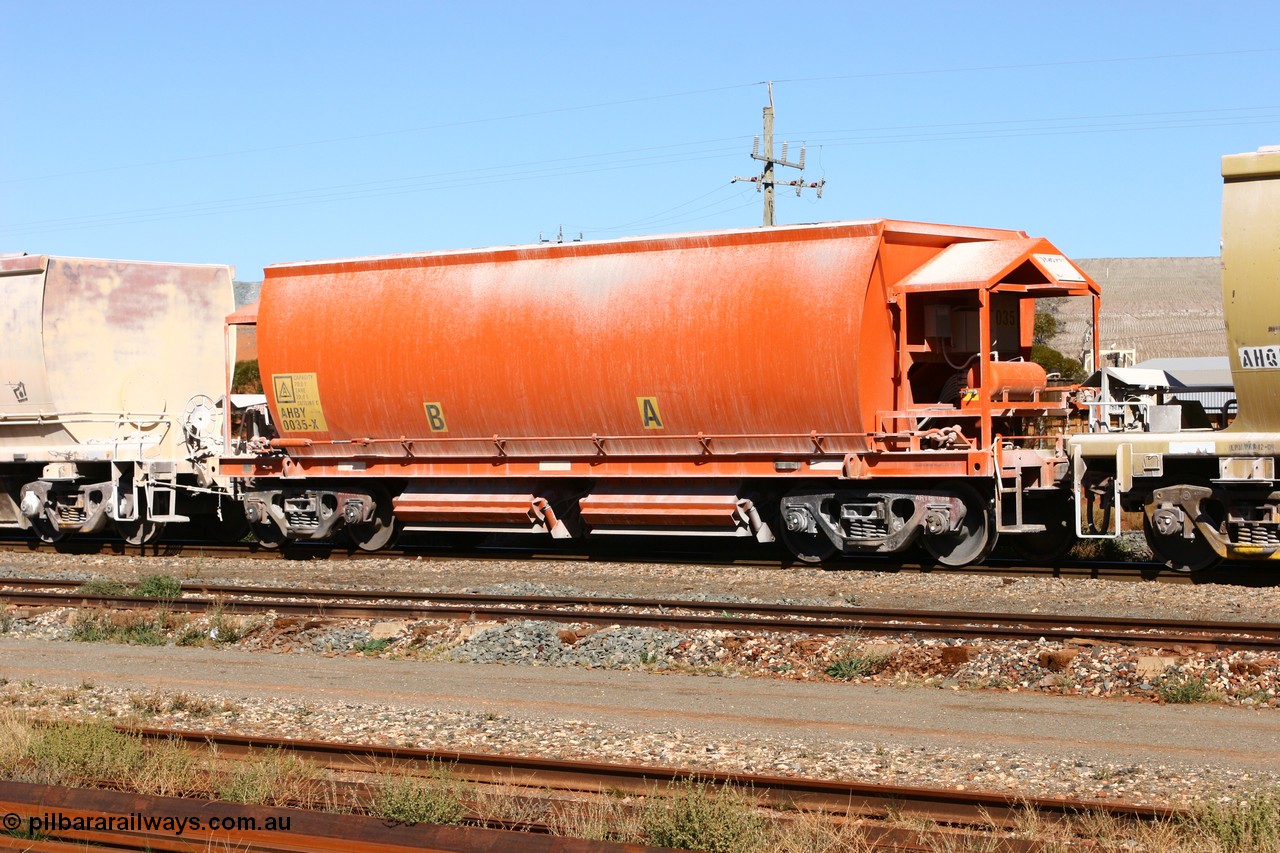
x: 765, y: 181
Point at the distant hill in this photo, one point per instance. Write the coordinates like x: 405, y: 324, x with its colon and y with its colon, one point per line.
x: 1161, y: 307
x: 246, y: 292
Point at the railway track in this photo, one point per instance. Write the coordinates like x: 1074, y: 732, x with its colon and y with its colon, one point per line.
x: 995, y: 566
x: 945, y: 806
x: 62, y: 819
x: 879, y: 810
x: 661, y: 613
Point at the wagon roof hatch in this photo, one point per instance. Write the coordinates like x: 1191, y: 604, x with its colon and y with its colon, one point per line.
x: 1026, y: 264
x: 246, y: 315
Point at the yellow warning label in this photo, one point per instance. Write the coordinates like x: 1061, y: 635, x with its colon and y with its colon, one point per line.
x: 650, y: 418
x: 435, y: 417
x: 298, y: 401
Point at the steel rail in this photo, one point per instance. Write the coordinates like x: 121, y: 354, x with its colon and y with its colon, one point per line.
x: 666, y: 613
x: 58, y: 804
x: 308, y: 830
x: 864, y: 799
x: 589, y: 601
x: 874, y: 830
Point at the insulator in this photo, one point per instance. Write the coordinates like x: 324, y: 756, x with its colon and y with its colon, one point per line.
x: 784, y: 152
x: 802, y: 158
x: 755, y: 146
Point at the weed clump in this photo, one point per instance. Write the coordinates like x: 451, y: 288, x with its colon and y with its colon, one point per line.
x: 366, y: 647
x: 856, y: 666
x: 436, y: 798
x: 103, y: 586
x: 218, y: 628
x: 1183, y: 689
x: 119, y: 627
x: 697, y: 816
x: 271, y: 778
x: 70, y: 752
x: 852, y: 662
x: 165, y: 587
x: 1252, y: 826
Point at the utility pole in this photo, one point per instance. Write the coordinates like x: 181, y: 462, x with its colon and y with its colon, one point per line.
x: 765, y: 179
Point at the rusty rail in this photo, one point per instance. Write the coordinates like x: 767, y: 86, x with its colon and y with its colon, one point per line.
x: 129, y: 821
x: 964, y: 808
x: 957, y: 814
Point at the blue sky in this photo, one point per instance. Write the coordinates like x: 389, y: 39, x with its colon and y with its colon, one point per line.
x: 257, y: 133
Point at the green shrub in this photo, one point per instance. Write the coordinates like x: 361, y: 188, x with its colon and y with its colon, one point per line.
x: 1178, y: 689
x: 856, y: 665
x: 270, y: 778
x: 159, y: 586
x: 70, y: 752
x: 103, y: 586
x: 698, y: 816
x: 1252, y: 826
x: 438, y: 798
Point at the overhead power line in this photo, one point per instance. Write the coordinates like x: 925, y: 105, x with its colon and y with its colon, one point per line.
x: 661, y: 155
x: 1063, y: 63
x: 284, y: 146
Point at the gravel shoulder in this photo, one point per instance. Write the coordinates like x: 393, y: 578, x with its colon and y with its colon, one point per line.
x: 1037, y: 744
x: 1013, y: 738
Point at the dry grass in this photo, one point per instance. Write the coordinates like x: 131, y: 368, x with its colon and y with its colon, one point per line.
x: 216, y: 628
x: 694, y: 815
x: 171, y: 769
x: 272, y: 777
x: 15, y: 738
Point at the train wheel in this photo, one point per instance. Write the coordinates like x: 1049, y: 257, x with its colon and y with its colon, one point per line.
x: 813, y: 547
x: 142, y: 531
x: 382, y: 531
x: 1049, y: 547
x: 1057, y: 540
x: 973, y: 541
x: 267, y: 535
x: 791, y: 525
x: 46, y: 531
x: 375, y: 535
x: 1181, y: 555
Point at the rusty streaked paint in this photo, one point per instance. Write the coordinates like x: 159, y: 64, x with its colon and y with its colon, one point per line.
x: 107, y: 353
x: 754, y: 341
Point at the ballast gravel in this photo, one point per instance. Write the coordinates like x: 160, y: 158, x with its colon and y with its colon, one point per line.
x: 1084, y: 668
